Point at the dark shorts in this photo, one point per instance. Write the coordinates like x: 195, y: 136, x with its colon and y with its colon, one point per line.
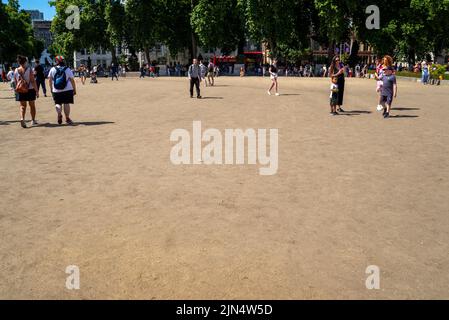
x: 334, y: 101
x: 63, y: 97
x: 29, y: 96
x: 387, y: 99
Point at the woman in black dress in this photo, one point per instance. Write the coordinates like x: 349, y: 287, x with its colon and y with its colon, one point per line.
x: 337, y: 69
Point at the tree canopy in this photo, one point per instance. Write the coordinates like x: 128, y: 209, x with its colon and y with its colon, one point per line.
x: 408, y: 28
x: 16, y: 33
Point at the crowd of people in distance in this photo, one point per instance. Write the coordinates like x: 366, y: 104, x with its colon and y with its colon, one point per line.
x: 26, y: 80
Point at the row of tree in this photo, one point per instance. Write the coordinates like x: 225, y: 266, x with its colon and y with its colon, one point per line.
x: 16, y: 33
x: 408, y: 28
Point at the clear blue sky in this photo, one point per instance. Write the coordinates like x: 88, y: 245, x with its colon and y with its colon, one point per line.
x: 41, y: 5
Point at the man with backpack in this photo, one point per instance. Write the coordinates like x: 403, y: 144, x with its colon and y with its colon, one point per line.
x: 63, y: 88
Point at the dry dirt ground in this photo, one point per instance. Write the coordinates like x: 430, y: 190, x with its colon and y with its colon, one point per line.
x: 351, y: 191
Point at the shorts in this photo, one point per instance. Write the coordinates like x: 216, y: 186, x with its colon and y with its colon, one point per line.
x: 380, y: 84
x: 334, y: 101
x: 210, y: 74
x: 65, y: 97
x: 387, y: 99
x: 29, y: 96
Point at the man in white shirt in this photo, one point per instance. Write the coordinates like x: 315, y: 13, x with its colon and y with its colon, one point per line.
x: 63, y: 88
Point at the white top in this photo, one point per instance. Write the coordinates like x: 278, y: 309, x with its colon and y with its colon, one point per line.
x: 10, y: 76
x: 26, y: 76
x: 68, y: 74
x: 333, y: 87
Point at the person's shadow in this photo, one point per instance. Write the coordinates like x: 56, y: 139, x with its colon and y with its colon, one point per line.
x: 76, y: 124
x: 398, y: 116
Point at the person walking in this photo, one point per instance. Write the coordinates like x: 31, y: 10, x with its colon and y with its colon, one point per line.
x: 82, y: 74
x: 425, y: 72
x: 389, y: 90
x: 10, y: 78
x: 26, y: 90
x: 337, y: 70
x: 39, y: 75
x: 211, y: 73
x: 273, y: 69
x: 63, y: 87
x: 203, y: 70
x: 114, y: 72
x: 194, y: 74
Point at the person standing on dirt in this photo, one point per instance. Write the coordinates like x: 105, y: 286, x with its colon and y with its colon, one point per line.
x: 194, y: 74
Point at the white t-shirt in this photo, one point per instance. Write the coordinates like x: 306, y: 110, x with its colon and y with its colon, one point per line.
x: 26, y: 75
x: 68, y: 74
x: 333, y: 87
x: 10, y: 76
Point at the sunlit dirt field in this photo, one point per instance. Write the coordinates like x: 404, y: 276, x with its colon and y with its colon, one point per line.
x: 351, y: 191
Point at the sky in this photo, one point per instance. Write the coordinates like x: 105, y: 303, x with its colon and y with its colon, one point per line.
x: 41, y: 5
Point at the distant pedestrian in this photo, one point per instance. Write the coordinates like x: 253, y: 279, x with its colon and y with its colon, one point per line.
x: 337, y: 70
x: 425, y: 72
x: 203, y: 70
x: 82, y: 74
x: 10, y: 78
x: 114, y: 72
x: 194, y: 74
x: 39, y: 75
x: 211, y: 73
x: 273, y: 70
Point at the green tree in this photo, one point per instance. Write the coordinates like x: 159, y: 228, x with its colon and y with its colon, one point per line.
x: 93, y: 32
x: 16, y: 32
x: 285, y: 23
x: 219, y: 24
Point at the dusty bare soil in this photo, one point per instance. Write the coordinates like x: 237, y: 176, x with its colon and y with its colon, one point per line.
x: 351, y: 191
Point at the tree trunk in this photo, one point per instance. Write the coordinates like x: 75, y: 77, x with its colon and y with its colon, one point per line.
x: 114, y: 54
x: 193, y: 49
x: 147, y: 54
x: 330, y: 52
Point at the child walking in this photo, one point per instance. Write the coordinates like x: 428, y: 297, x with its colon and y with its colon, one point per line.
x: 389, y: 90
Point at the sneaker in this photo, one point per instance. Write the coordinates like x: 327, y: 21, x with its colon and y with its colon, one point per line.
x: 59, y: 119
x: 34, y: 123
x: 69, y: 122
x: 341, y: 110
x: 384, y: 112
x: 191, y: 97
x: 199, y: 97
x: 278, y: 94
x: 269, y: 93
x: 386, y: 115
x: 335, y: 113
x: 23, y: 124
